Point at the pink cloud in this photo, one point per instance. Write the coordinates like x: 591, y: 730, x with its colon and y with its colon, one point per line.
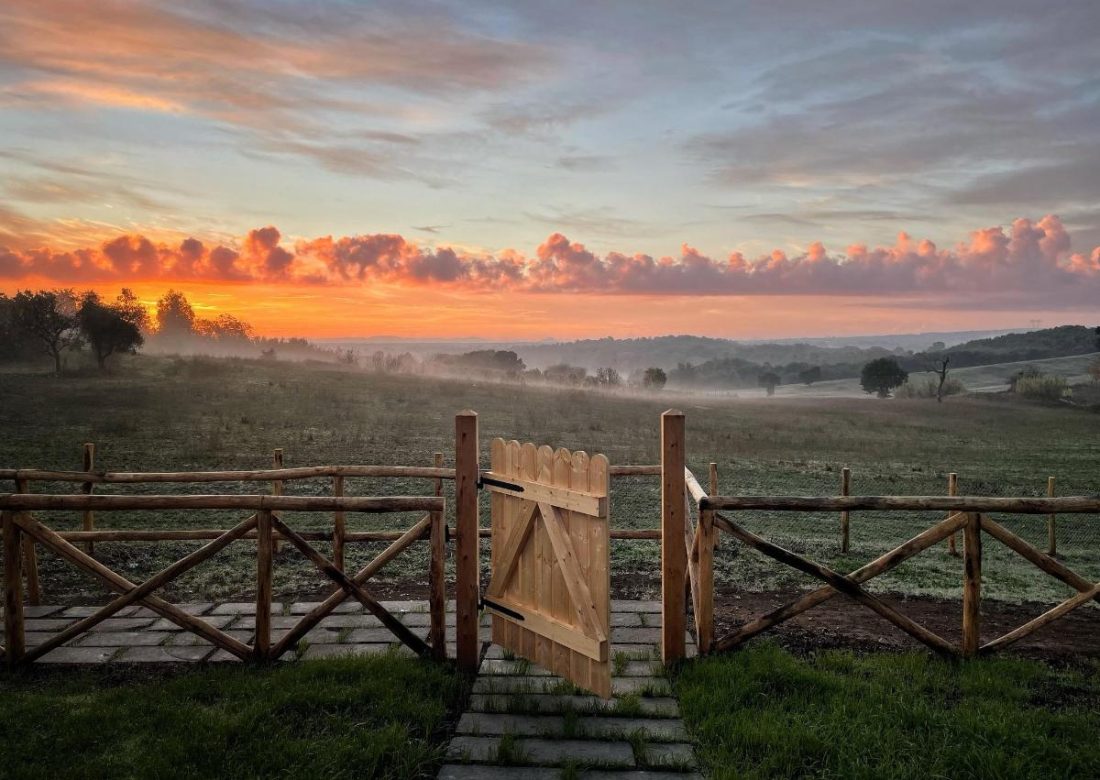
x: 1032, y: 263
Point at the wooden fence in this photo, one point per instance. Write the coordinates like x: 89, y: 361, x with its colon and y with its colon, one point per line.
x: 952, y: 490
x: 268, y: 530
x: 264, y: 526
x: 689, y: 565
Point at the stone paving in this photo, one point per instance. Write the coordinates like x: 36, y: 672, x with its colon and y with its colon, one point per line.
x: 523, y: 722
x: 137, y: 635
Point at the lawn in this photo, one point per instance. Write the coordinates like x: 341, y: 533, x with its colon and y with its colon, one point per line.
x: 378, y: 716
x: 176, y: 414
x: 764, y: 713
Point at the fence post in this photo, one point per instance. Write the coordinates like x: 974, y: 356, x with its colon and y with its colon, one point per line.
x: 845, y: 490
x: 952, y: 490
x: 673, y: 552
x: 467, y: 559
x: 14, y: 638
x: 30, y: 556
x: 704, y: 618
x: 263, y: 585
x: 712, y: 490
x: 437, y: 586
x: 277, y: 485
x: 339, y: 525
x: 972, y: 585
x: 88, y: 488
x: 1052, y: 523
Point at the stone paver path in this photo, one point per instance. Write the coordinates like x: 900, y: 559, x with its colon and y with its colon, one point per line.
x: 523, y: 722
x: 137, y: 635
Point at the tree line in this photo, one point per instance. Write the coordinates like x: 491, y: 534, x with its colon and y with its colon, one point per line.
x: 55, y: 324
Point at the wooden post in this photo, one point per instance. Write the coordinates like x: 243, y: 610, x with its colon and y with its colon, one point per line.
x: 467, y: 559
x: 952, y: 490
x: 264, y: 590
x: 704, y: 610
x: 277, y: 485
x: 1052, y: 524
x: 845, y: 490
x: 712, y: 490
x: 88, y: 488
x: 339, y: 525
x: 437, y: 585
x: 972, y: 585
x: 30, y: 556
x: 14, y: 638
x: 673, y: 522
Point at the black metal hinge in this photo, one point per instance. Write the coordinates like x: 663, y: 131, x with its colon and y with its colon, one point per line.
x: 483, y: 481
x: 500, y: 608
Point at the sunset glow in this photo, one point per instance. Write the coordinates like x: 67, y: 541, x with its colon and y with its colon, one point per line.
x: 442, y: 172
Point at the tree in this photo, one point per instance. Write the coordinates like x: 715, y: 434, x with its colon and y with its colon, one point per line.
x: 224, y: 329
x: 810, y: 375
x: 608, y: 377
x: 109, y: 328
x: 49, y: 318
x: 882, y: 375
x: 654, y: 378
x: 939, y: 368
x: 175, y: 319
x: 768, y: 380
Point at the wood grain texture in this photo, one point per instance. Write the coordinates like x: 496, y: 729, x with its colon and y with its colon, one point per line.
x: 551, y: 563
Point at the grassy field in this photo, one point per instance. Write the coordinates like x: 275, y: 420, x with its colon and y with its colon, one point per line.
x: 764, y: 713
x: 171, y: 414
x: 976, y: 379
x: 379, y: 716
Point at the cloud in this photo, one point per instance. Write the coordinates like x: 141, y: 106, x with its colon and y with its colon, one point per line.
x: 1031, y: 263
x: 333, y: 83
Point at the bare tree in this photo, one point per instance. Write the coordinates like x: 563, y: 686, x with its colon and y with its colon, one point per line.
x: 939, y: 368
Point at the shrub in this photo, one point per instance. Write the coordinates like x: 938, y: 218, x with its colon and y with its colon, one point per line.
x: 1042, y: 387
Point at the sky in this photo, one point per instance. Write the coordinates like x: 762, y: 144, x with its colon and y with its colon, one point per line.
x: 556, y: 170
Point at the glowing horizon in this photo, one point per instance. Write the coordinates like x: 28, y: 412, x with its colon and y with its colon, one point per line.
x: 442, y: 170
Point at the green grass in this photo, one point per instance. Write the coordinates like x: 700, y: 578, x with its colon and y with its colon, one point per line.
x: 170, y: 414
x: 381, y: 716
x: 763, y: 713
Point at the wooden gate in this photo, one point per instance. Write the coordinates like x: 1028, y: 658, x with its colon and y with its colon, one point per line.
x: 549, y: 594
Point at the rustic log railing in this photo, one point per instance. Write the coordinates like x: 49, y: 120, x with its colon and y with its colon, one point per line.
x: 968, y: 514
x: 688, y: 570
x: 265, y: 526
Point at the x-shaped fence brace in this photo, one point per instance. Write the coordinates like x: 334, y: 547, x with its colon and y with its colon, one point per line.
x: 264, y: 523
x: 850, y: 585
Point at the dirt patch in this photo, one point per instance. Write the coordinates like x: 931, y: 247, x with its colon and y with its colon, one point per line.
x: 842, y: 623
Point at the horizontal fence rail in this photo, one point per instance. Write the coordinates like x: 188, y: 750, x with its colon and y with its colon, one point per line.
x: 1034, y: 506
x: 38, y: 501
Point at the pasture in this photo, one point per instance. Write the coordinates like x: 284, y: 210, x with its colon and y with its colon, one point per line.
x: 160, y: 414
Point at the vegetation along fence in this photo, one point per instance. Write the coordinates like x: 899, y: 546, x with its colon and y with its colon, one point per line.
x: 687, y: 567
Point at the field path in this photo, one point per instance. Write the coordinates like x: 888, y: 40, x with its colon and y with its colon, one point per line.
x: 523, y: 722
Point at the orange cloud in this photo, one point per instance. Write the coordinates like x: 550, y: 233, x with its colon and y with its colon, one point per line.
x: 1030, y: 263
